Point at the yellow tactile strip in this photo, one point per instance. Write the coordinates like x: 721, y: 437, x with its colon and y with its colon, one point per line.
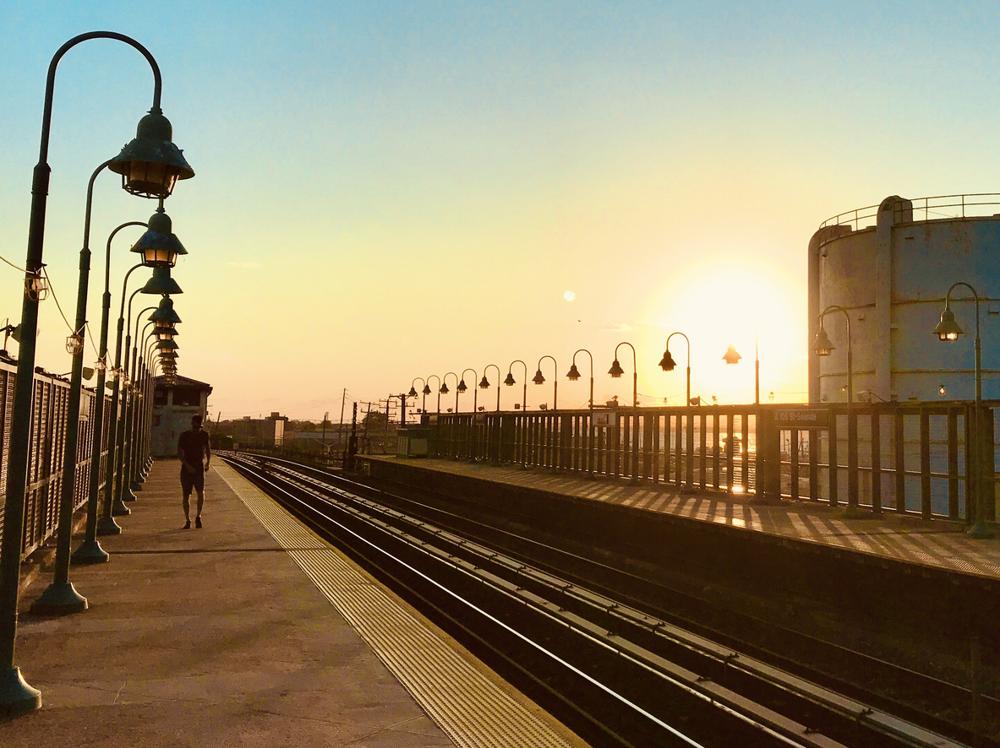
x: 469, y: 707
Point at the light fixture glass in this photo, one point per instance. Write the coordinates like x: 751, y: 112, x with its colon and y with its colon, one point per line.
x: 150, y: 164
x: 822, y: 344
x: 947, y: 328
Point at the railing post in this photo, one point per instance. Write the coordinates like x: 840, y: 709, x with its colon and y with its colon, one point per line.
x: 768, y: 458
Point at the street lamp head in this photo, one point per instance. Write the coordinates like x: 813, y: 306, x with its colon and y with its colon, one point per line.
x: 573, y: 374
x: 731, y: 356
x: 164, y: 313
x: 427, y: 389
x: 947, y: 328
x: 158, y: 244
x: 822, y: 345
x: 509, y: 381
x: 667, y: 363
x: 462, y: 387
x: 444, y: 388
x: 165, y: 332
x: 150, y: 164
x: 412, y: 392
x: 616, y: 369
x: 538, y: 378
x: 161, y: 282
x: 484, y: 383
x: 167, y: 345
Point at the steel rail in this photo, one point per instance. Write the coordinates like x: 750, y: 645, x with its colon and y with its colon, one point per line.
x: 848, y: 709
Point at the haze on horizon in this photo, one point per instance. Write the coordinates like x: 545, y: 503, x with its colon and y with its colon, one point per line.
x: 391, y: 190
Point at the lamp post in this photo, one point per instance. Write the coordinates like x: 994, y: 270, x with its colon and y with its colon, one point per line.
x: 427, y: 388
x: 573, y: 375
x: 732, y: 357
x: 823, y: 347
x: 141, y: 175
x: 539, y: 379
x: 948, y: 330
x: 444, y: 388
x: 667, y: 363
x: 413, y: 392
x: 463, y: 387
x: 616, y: 371
x: 484, y: 383
x: 510, y: 381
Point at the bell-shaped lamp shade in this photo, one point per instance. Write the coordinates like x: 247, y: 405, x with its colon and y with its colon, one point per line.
x: 509, y: 381
x: 616, y: 369
x: 412, y: 392
x: 731, y: 356
x: 167, y: 332
x: 573, y: 374
x: 164, y: 313
x: 822, y: 344
x: 947, y: 328
x: 150, y: 164
x: 667, y: 363
x: 167, y: 345
x: 484, y: 383
x: 158, y: 244
x: 538, y: 378
x: 427, y: 389
x: 444, y: 388
x: 462, y: 386
x: 161, y: 282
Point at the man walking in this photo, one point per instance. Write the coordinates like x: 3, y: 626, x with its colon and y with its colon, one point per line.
x: 195, y: 453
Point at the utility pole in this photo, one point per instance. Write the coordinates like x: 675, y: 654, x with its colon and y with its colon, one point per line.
x: 326, y: 417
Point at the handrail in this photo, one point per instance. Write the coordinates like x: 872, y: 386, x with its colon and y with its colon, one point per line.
x: 958, y: 207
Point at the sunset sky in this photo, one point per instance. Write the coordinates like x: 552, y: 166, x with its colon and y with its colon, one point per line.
x: 390, y: 190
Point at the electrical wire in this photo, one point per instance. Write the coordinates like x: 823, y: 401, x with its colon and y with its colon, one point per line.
x: 4, y: 259
x: 55, y: 298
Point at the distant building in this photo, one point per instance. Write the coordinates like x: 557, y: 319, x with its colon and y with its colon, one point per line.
x: 173, y: 406
x: 890, y: 266
x: 259, y: 432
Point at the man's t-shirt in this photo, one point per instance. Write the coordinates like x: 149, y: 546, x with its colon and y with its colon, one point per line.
x: 193, y: 445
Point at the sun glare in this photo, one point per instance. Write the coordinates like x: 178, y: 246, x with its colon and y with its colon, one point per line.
x: 569, y: 295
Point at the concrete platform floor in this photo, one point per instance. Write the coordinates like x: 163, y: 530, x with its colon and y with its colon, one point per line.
x: 209, y: 637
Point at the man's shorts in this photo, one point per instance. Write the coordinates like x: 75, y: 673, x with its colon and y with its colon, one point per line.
x: 192, y: 480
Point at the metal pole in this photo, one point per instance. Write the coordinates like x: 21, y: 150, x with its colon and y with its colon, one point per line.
x: 756, y: 371
x: 61, y: 597
x: 16, y: 696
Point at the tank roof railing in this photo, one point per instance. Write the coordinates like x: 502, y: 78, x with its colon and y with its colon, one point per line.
x: 933, y: 208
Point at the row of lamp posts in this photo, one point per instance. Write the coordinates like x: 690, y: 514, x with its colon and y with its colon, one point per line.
x: 667, y: 363
x: 149, y: 165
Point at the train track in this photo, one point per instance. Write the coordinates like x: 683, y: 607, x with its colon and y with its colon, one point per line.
x: 611, y: 670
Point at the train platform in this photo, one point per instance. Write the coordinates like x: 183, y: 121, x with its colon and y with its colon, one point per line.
x: 253, y: 632
x: 937, y: 545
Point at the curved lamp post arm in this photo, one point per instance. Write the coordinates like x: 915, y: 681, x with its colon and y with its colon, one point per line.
x: 50, y: 79
x: 850, y: 348
x: 688, y: 341
x: 444, y: 380
x: 524, y: 392
x: 635, y: 372
x: 475, y: 393
x: 555, y: 378
x: 978, y: 342
x: 591, y: 357
x: 485, y: 369
x: 428, y: 381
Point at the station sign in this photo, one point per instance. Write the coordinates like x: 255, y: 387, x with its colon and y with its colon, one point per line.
x: 602, y: 419
x: 802, y: 418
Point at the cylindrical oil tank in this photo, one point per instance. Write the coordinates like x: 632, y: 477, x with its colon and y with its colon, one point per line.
x: 890, y: 267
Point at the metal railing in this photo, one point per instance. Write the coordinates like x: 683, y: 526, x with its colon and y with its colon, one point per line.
x: 47, y: 446
x: 932, y: 208
x: 905, y: 458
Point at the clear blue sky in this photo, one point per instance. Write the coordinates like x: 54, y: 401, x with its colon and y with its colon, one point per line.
x: 386, y: 190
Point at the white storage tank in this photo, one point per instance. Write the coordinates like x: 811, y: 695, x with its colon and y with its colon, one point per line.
x: 890, y: 266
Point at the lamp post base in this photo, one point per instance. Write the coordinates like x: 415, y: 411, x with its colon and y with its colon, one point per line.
x: 108, y: 526
x: 90, y: 553
x: 980, y: 531
x: 59, y: 599
x: 118, y: 509
x: 16, y: 696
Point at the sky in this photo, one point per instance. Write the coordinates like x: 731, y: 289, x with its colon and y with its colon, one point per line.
x: 386, y: 191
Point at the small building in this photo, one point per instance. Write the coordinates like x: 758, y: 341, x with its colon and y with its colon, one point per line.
x: 259, y: 432
x: 173, y: 406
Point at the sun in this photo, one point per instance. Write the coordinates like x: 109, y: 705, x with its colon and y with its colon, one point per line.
x: 569, y: 295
